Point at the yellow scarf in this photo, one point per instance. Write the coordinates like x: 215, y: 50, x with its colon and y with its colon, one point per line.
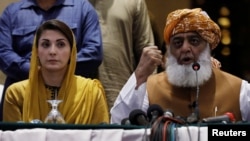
x: 79, y: 95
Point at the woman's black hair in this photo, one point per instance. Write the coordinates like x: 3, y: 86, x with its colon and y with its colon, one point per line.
x: 55, y: 25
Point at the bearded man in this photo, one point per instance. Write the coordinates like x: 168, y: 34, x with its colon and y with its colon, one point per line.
x: 190, y: 83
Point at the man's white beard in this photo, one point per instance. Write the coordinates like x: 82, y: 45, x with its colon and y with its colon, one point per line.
x: 184, y: 75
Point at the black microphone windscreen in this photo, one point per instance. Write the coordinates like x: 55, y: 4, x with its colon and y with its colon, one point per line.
x: 125, y: 121
x: 196, y: 66
x: 138, y: 117
x: 154, y: 109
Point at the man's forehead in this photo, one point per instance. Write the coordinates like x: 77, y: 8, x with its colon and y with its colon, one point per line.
x: 185, y: 34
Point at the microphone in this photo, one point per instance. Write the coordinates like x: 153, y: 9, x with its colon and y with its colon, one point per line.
x: 196, y: 66
x: 226, y: 118
x: 125, y: 121
x: 194, y: 117
x: 168, y: 113
x: 154, y: 111
x: 138, y: 117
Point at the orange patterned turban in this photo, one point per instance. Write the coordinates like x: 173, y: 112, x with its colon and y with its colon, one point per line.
x: 186, y: 20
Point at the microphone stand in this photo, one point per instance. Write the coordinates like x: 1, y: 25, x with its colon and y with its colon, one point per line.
x: 194, y: 117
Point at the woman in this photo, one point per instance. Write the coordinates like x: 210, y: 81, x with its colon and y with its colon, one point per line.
x: 51, y: 76
x: 17, y: 35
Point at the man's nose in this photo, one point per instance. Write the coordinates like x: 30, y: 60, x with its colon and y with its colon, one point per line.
x: 186, y: 46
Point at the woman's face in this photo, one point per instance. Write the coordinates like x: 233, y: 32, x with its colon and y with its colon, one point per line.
x: 53, y: 51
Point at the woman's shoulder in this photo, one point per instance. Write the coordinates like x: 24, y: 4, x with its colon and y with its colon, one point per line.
x: 20, y: 84
x: 17, y: 89
x: 81, y: 79
x: 89, y: 85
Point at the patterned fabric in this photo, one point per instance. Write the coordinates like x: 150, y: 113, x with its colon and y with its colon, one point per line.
x: 186, y: 20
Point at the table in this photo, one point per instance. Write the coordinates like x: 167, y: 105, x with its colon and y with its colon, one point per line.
x: 191, y: 133
x: 42, y: 134
x: 68, y: 132
x: 109, y: 132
